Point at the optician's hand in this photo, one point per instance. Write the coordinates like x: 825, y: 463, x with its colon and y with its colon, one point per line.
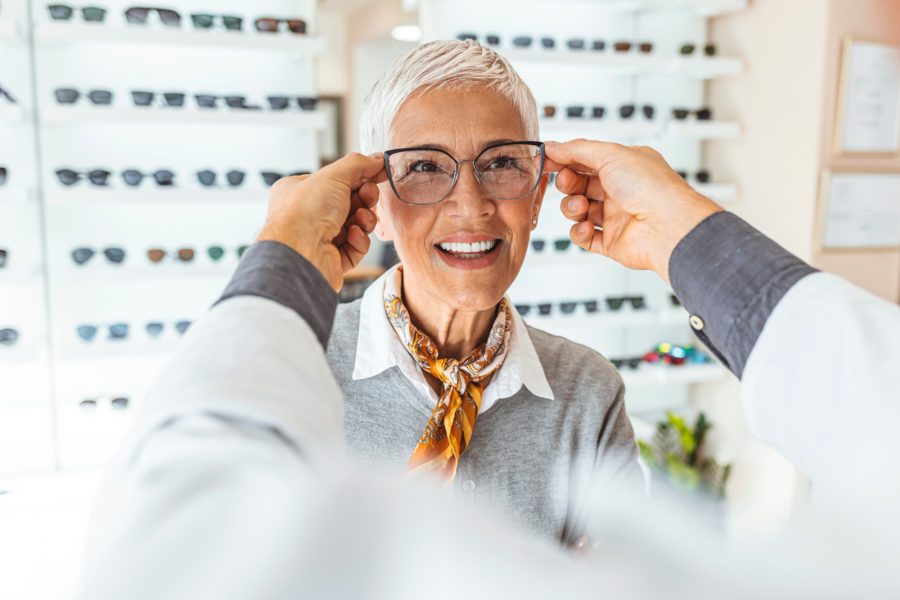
x: 644, y: 207
x: 327, y: 216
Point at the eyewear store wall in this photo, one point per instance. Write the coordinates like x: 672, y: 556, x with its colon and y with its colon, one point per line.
x: 137, y: 144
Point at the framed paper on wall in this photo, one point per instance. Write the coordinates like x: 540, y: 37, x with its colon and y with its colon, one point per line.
x: 868, y: 116
x: 859, y: 210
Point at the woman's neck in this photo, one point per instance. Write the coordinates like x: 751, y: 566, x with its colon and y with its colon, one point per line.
x: 456, y: 333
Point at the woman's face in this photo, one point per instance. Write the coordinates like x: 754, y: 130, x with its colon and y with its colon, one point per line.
x: 463, y: 122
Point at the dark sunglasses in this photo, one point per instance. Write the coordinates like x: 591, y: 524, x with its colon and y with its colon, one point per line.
x: 64, y: 12
x: 163, y: 177
x: 566, y: 307
x: 71, y: 177
x: 576, y: 44
x: 703, y: 175
x: 82, y: 255
x: 615, y: 303
x: 622, y: 46
x: 116, y: 331
x: 703, y: 114
x: 284, y: 102
x: 8, y: 336
x: 4, y: 257
x: 117, y: 403
x: 270, y: 177
x: 626, y: 111
x: 208, y: 21
x: 522, y: 41
x: 631, y: 363
x: 688, y: 49
x: 4, y: 173
x: 147, y: 98
x: 561, y: 245
x: 548, y: 43
x: 154, y: 329
x: 273, y: 25
x: 71, y: 96
x: 137, y: 15
x: 157, y: 255
x: 234, y: 177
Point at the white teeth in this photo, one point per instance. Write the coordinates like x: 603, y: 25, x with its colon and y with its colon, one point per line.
x: 466, y: 248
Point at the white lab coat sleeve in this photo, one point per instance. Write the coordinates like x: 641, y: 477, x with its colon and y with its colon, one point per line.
x: 822, y: 384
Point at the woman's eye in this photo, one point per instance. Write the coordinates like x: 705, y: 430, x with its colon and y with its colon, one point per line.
x: 502, y: 162
x: 423, y: 166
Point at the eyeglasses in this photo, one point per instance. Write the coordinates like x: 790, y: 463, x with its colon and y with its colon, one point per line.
x: 615, y: 303
x: 8, y: 336
x: 270, y: 177
x: 284, y: 102
x: 567, y: 307
x: 4, y: 173
x: 703, y: 114
x: 560, y: 245
x: 137, y: 15
x: 688, y: 49
x: 116, y: 331
x: 155, y: 328
x: 117, y: 403
x: 208, y: 21
x: 162, y: 177
x: 4, y: 257
x: 147, y: 98
x: 95, y: 176
x: 70, y: 96
x: 633, y: 362
x: 234, y: 177
x: 273, y: 25
x: 626, y: 111
x: 702, y: 176
x: 64, y: 12
x: 81, y: 256
x: 505, y: 171
x: 157, y: 255
x: 522, y: 41
x: 6, y: 95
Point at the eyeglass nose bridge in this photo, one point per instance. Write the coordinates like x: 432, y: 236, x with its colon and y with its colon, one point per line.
x: 455, y: 179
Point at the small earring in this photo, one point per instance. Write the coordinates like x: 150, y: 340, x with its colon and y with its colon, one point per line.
x: 534, y: 222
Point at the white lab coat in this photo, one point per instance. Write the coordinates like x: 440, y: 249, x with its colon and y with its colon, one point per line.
x: 234, y: 483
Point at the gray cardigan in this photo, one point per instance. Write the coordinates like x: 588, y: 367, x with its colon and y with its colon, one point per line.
x: 531, y: 458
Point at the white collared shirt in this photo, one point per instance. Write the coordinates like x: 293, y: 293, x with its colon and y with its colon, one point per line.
x: 382, y: 349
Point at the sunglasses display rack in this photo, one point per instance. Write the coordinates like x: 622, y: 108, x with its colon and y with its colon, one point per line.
x: 631, y: 72
x: 135, y: 165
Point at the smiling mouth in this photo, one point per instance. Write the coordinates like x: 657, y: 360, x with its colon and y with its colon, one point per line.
x: 469, y: 250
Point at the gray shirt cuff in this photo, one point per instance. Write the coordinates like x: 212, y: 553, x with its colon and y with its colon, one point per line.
x: 275, y: 271
x: 730, y: 277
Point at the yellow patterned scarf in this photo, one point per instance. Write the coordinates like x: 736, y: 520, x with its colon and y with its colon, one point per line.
x: 449, y: 430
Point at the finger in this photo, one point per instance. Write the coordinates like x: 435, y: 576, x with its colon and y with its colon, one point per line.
x: 366, y: 220
x: 551, y: 166
x: 575, y: 208
x: 589, y: 153
x: 355, y: 169
x: 585, y: 236
x: 367, y: 195
x: 355, y: 248
x: 570, y: 182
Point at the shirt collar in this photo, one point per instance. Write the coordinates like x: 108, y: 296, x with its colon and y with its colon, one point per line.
x: 378, y: 349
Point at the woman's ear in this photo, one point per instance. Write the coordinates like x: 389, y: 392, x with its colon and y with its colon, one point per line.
x: 539, y: 199
x: 381, y: 229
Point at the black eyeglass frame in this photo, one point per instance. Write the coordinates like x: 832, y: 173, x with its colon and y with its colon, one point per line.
x: 387, y: 168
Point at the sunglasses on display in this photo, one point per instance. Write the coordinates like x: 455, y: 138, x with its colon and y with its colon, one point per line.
x: 237, y: 102
x: 627, y: 111
x: 702, y: 114
x: 284, y: 102
x: 615, y: 303
x: 4, y: 174
x: 209, y: 21
x: 270, y: 177
x: 4, y: 257
x: 156, y: 328
x: 98, y: 177
x: 162, y: 177
x: 117, y: 403
x: 139, y: 15
x: 207, y: 177
x: 567, y: 307
x: 64, y: 12
x: 273, y: 25
x: 71, y: 96
x: 633, y: 362
x: 8, y: 336
x: 689, y: 48
x: 83, y: 255
x: 7, y: 96
x: 148, y: 98
x: 702, y: 176
x: 560, y: 245
x: 157, y: 255
x: 116, y: 331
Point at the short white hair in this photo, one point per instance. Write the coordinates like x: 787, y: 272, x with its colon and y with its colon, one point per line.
x: 441, y: 65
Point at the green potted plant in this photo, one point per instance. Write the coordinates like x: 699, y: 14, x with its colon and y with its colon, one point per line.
x: 675, y: 455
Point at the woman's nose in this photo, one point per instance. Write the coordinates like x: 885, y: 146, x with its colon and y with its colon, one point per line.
x: 468, y: 198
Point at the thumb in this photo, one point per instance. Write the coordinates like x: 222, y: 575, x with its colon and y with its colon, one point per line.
x: 584, y: 154
x: 356, y: 169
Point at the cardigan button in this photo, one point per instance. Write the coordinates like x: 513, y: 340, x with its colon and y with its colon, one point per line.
x: 697, y: 323
x: 468, y: 486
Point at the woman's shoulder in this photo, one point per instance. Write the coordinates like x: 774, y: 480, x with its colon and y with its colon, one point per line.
x: 344, y: 332
x: 569, y: 363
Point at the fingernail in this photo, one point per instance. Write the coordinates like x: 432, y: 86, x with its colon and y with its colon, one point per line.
x: 572, y: 204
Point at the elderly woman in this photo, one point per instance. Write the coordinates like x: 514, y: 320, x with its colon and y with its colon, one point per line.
x: 441, y: 377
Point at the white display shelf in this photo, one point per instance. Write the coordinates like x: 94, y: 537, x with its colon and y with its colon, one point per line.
x: 718, y: 192
x: 639, y: 127
x: 626, y: 317
x: 29, y: 276
x: 49, y: 33
x: 102, y: 275
x: 9, y: 32
x: 630, y: 63
x: 700, y: 7
x: 89, y: 115
x: 152, y: 194
x: 11, y: 113
x: 667, y: 375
